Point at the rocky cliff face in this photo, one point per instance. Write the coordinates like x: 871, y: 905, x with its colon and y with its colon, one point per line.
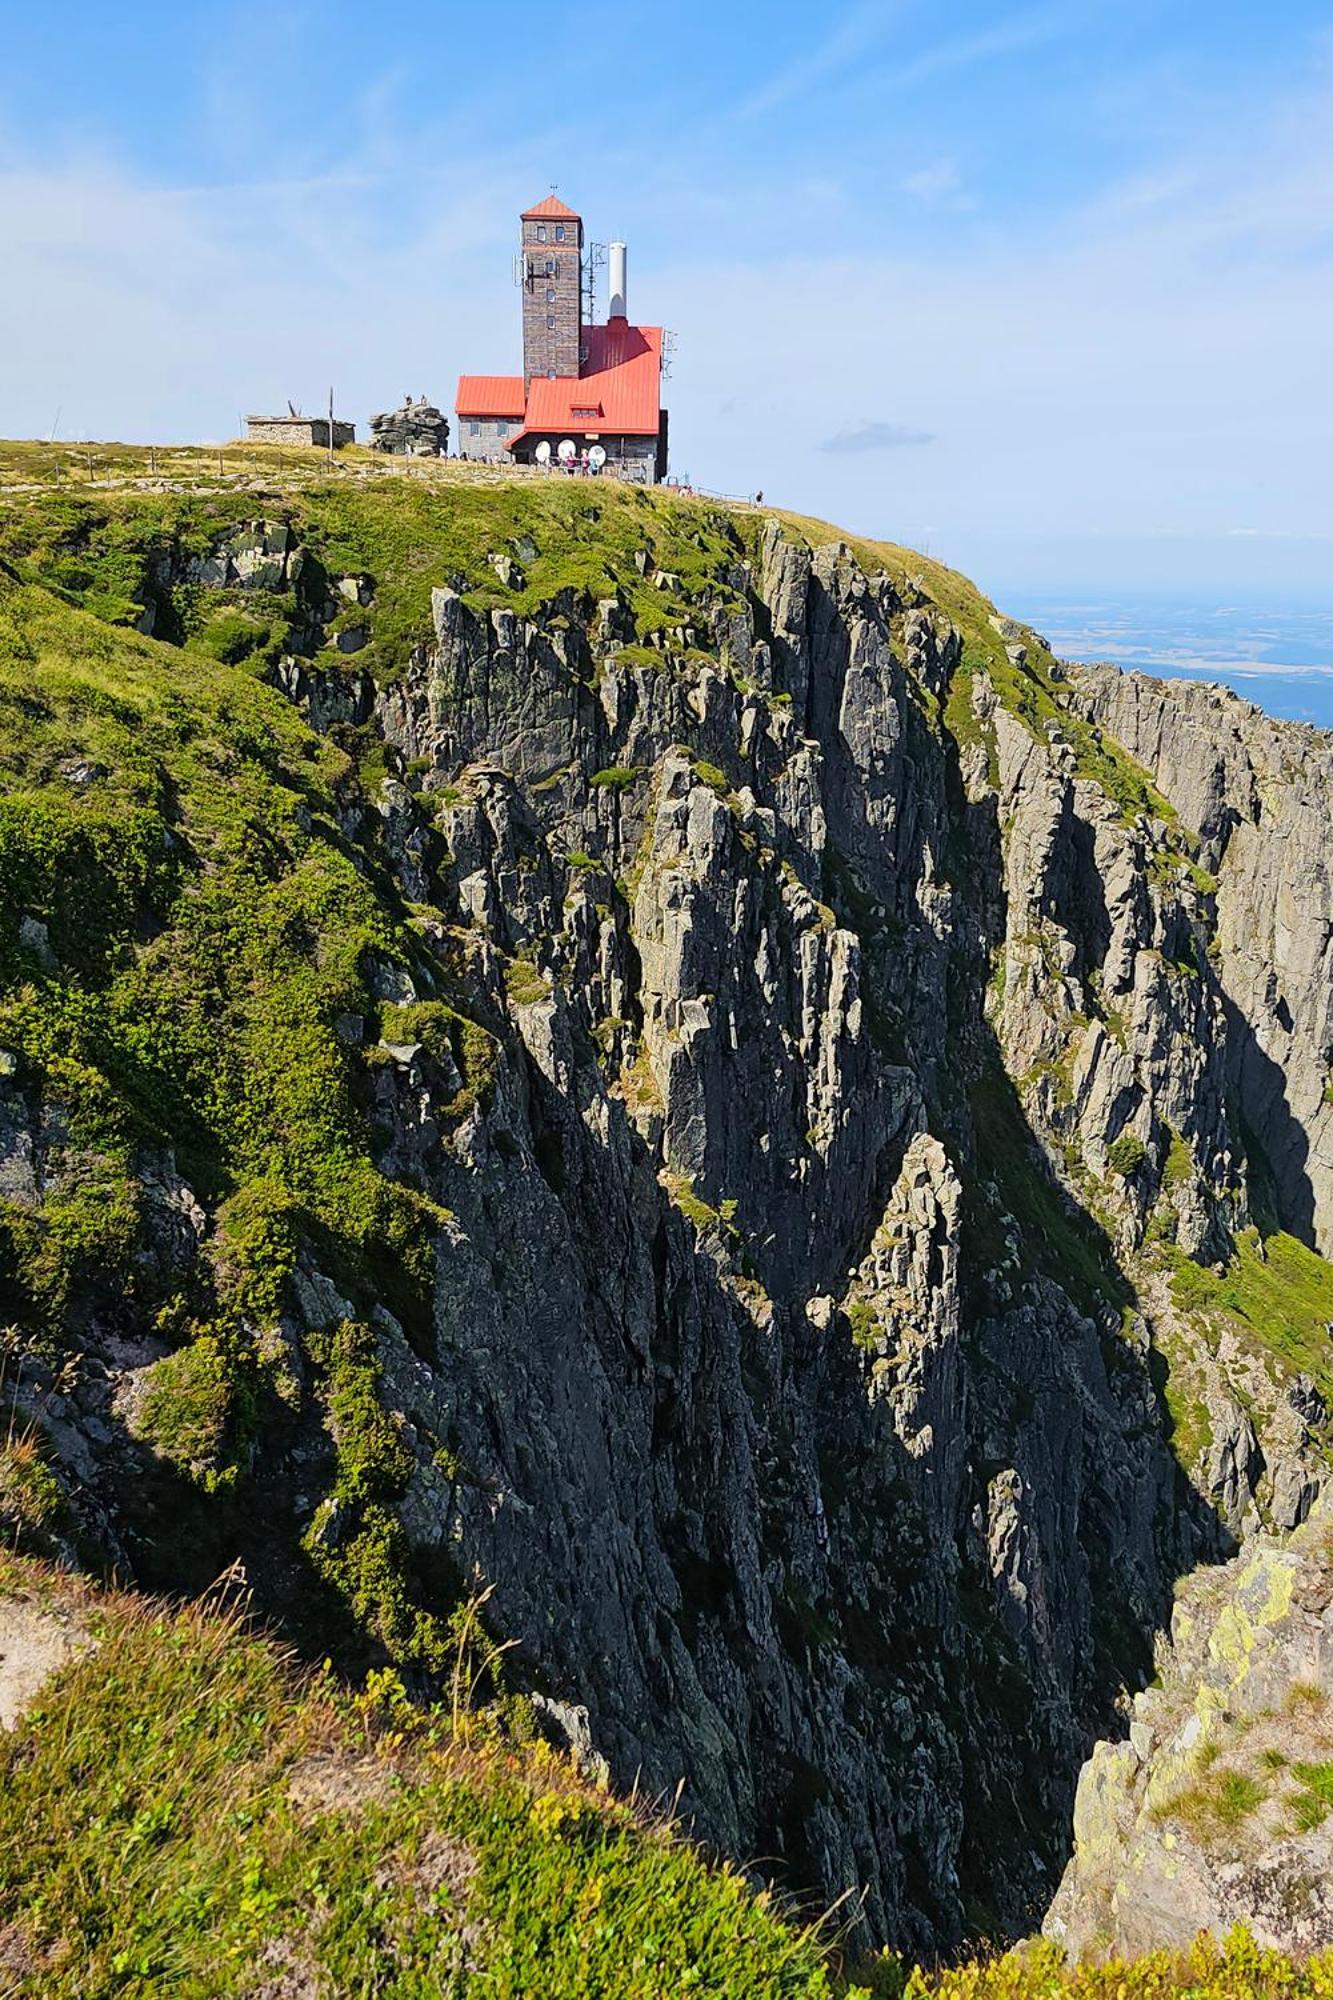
x: 1258, y: 794
x: 830, y: 1073
x: 1214, y: 1810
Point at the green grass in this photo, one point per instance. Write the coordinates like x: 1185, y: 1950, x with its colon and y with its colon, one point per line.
x: 1280, y: 1290
x: 1179, y: 1164
x: 681, y: 1190
x: 524, y: 984
x: 1191, y: 1425
x: 204, y: 929
x: 187, y: 1406
x: 1237, y: 1970
x: 106, y: 550
x: 1314, y: 1800
x: 179, y: 1811
x: 32, y: 1504
x: 1219, y: 1801
x: 1064, y: 1242
x: 616, y: 777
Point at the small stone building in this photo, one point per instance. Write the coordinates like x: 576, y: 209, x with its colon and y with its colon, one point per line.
x: 299, y: 430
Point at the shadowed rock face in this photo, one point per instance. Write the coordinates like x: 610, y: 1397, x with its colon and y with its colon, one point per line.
x: 866, y: 1050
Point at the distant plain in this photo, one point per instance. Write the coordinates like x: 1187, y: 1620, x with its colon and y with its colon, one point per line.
x: 1279, y: 658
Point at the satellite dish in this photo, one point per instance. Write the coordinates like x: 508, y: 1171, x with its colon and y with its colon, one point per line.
x: 597, y: 456
x: 543, y: 453
x: 566, y: 449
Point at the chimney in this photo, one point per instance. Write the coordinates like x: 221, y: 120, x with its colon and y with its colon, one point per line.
x: 616, y: 309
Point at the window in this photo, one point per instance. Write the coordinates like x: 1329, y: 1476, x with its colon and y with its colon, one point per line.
x: 541, y: 232
x: 550, y: 321
x: 559, y: 232
x: 501, y: 426
x: 585, y: 413
x: 550, y: 295
x: 474, y: 427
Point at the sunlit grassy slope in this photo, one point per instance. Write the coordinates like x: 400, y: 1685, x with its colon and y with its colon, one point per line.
x: 180, y: 1812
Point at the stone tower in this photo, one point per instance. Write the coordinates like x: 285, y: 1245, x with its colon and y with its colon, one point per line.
x: 552, y: 279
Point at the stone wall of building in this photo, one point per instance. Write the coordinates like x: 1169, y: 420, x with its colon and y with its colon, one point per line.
x: 484, y: 437
x: 299, y: 431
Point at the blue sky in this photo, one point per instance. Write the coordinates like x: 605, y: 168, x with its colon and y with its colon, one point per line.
x: 1048, y: 288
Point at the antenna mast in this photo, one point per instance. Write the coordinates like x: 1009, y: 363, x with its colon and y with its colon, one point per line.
x: 593, y: 260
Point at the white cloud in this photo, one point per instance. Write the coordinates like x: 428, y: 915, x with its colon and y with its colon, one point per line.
x: 939, y: 184
x: 871, y: 436
x: 853, y: 36
x: 1030, y: 29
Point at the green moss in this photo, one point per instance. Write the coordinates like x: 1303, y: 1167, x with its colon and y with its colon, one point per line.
x: 864, y: 1320
x: 1126, y: 1155
x: 524, y: 984
x: 639, y: 1084
x: 204, y: 928
x: 186, y: 1407
x: 32, y: 1503
x: 616, y: 777
x: 1056, y: 1237
x: 234, y: 636
x: 1277, y: 1289
x: 1191, y: 1431
x: 680, y: 1188
x: 716, y: 780
x: 1178, y: 1168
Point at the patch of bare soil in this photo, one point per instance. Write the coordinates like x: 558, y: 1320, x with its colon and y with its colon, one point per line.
x: 331, y: 1781
x: 35, y: 1642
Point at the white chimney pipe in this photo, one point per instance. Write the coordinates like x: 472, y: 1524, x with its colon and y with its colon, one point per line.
x: 617, y: 309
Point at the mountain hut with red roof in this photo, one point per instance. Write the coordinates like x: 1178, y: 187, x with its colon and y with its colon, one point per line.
x: 583, y: 387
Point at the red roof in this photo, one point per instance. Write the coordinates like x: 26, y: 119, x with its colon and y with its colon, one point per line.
x: 552, y: 206
x: 490, y: 396
x: 621, y: 383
